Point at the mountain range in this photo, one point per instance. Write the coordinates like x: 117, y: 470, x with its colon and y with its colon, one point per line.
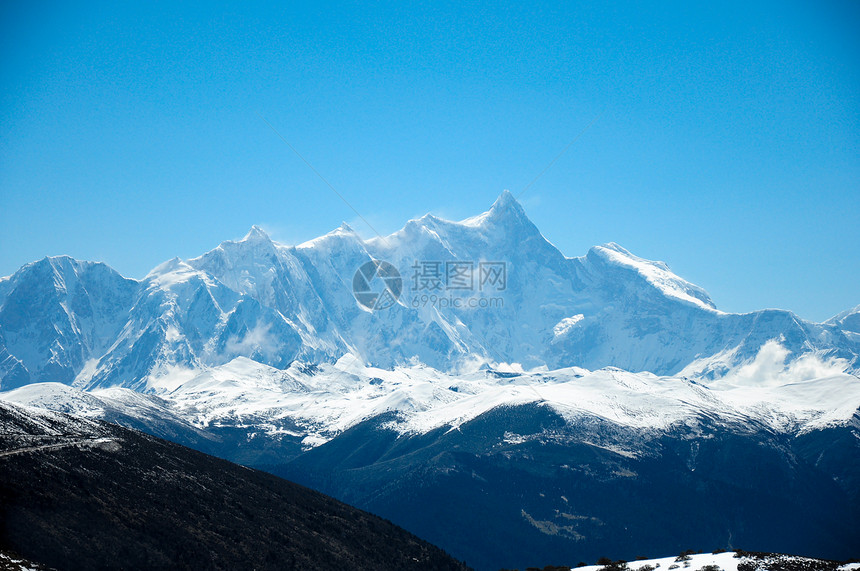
x: 469, y: 382
x: 82, y: 323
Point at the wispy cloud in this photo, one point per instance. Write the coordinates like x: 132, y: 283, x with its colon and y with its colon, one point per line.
x: 769, y: 367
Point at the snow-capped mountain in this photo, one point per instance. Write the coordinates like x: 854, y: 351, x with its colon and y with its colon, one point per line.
x: 56, y: 315
x: 77, y: 322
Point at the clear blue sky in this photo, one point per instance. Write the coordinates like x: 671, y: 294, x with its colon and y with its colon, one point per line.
x: 728, y: 145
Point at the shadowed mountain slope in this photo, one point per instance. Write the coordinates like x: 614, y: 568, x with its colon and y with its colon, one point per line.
x: 78, y: 494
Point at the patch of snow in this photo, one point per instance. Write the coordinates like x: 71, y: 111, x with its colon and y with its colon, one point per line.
x: 658, y: 275
x: 725, y: 561
x: 564, y: 326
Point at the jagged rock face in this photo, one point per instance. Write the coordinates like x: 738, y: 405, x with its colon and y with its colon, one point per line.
x: 69, y: 321
x: 55, y: 315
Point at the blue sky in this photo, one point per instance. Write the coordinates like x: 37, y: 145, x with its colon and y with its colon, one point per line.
x: 727, y: 143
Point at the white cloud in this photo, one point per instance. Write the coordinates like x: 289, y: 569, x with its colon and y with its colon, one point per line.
x: 256, y: 340
x: 769, y: 367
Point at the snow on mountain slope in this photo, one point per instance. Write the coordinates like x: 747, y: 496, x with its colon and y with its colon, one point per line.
x: 312, y: 284
x: 273, y: 275
x: 657, y: 274
x: 629, y: 312
x: 848, y: 321
x: 732, y: 561
x: 314, y: 403
x: 637, y: 326
x: 148, y: 413
x: 57, y: 314
x: 185, y: 319
x: 512, y: 298
x: 487, y: 320
x: 24, y: 428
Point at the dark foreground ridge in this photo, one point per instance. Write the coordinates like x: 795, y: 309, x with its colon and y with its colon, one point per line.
x: 76, y: 494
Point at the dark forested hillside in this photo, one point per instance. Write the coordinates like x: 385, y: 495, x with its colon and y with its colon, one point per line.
x: 76, y: 494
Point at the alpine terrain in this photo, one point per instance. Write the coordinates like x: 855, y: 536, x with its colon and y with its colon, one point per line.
x: 469, y: 382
